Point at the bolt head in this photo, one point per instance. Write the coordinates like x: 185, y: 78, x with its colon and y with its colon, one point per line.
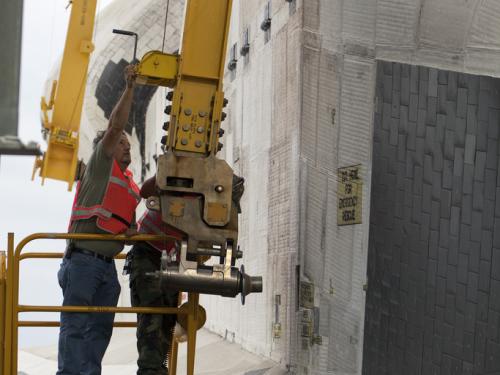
x: 219, y: 188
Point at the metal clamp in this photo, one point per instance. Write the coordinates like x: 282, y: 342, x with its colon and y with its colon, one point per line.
x: 220, y: 279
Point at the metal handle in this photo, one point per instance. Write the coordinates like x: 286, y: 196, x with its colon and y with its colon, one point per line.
x: 129, y: 33
x: 123, y: 32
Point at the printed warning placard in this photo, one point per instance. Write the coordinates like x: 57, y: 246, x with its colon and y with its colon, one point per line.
x: 350, y: 195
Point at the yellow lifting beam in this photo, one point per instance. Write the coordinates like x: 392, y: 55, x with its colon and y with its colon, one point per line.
x: 198, y: 96
x: 196, y: 111
x: 61, y: 112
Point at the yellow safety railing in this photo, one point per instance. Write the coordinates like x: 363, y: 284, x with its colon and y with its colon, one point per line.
x: 3, y: 286
x: 10, y: 308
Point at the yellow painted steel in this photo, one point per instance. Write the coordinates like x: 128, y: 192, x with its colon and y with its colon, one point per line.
x: 174, y: 346
x: 35, y: 255
x: 172, y: 358
x: 102, y: 309
x: 197, y: 100
x: 3, y: 280
x: 62, y: 112
x: 7, y: 365
x: 44, y: 323
x: 192, y: 327
x: 13, y: 309
x: 157, y: 68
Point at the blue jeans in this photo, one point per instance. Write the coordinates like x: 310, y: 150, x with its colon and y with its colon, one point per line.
x: 84, y: 337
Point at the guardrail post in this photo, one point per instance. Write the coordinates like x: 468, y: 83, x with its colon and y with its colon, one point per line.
x: 8, y: 307
x: 3, y: 295
x: 192, y: 327
x: 172, y: 359
x: 174, y: 346
x: 15, y: 309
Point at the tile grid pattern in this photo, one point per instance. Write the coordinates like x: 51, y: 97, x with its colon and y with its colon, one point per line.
x: 433, y: 300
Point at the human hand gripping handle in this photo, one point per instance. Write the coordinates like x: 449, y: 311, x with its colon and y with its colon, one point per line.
x: 130, y: 74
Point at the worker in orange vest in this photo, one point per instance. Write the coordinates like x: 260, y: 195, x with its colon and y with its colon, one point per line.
x: 105, y: 203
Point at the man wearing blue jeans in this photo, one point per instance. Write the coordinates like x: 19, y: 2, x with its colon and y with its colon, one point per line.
x: 105, y: 203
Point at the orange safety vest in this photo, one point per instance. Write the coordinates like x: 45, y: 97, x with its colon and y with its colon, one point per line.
x: 151, y: 223
x: 116, y: 212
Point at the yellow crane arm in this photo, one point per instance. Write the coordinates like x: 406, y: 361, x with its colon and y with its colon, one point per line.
x: 196, y: 76
x: 61, y: 113
x: 198, y: 95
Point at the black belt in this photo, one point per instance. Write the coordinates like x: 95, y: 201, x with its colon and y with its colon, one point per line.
x: 92, y: 254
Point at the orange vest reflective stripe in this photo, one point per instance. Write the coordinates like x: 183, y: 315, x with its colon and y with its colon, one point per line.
x: 151, y: 223
x: 116, y: 212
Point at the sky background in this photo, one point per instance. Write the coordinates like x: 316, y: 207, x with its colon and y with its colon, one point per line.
x: 26, y: 206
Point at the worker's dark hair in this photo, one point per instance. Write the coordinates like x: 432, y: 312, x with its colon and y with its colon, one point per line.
x: 99, y: 136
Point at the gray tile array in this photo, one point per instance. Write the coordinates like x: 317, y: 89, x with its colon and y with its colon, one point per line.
x: 433, y: 300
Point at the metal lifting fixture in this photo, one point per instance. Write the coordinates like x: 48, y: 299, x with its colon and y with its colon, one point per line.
x: 195, y: 187
x: 221, y: 279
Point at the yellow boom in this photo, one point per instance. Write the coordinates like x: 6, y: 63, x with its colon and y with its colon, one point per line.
x: 62, y: 111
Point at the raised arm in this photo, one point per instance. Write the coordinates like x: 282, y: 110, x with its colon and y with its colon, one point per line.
x: 119, y: 116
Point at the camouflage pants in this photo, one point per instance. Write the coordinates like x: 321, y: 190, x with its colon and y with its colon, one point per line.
x: 154, y: 332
